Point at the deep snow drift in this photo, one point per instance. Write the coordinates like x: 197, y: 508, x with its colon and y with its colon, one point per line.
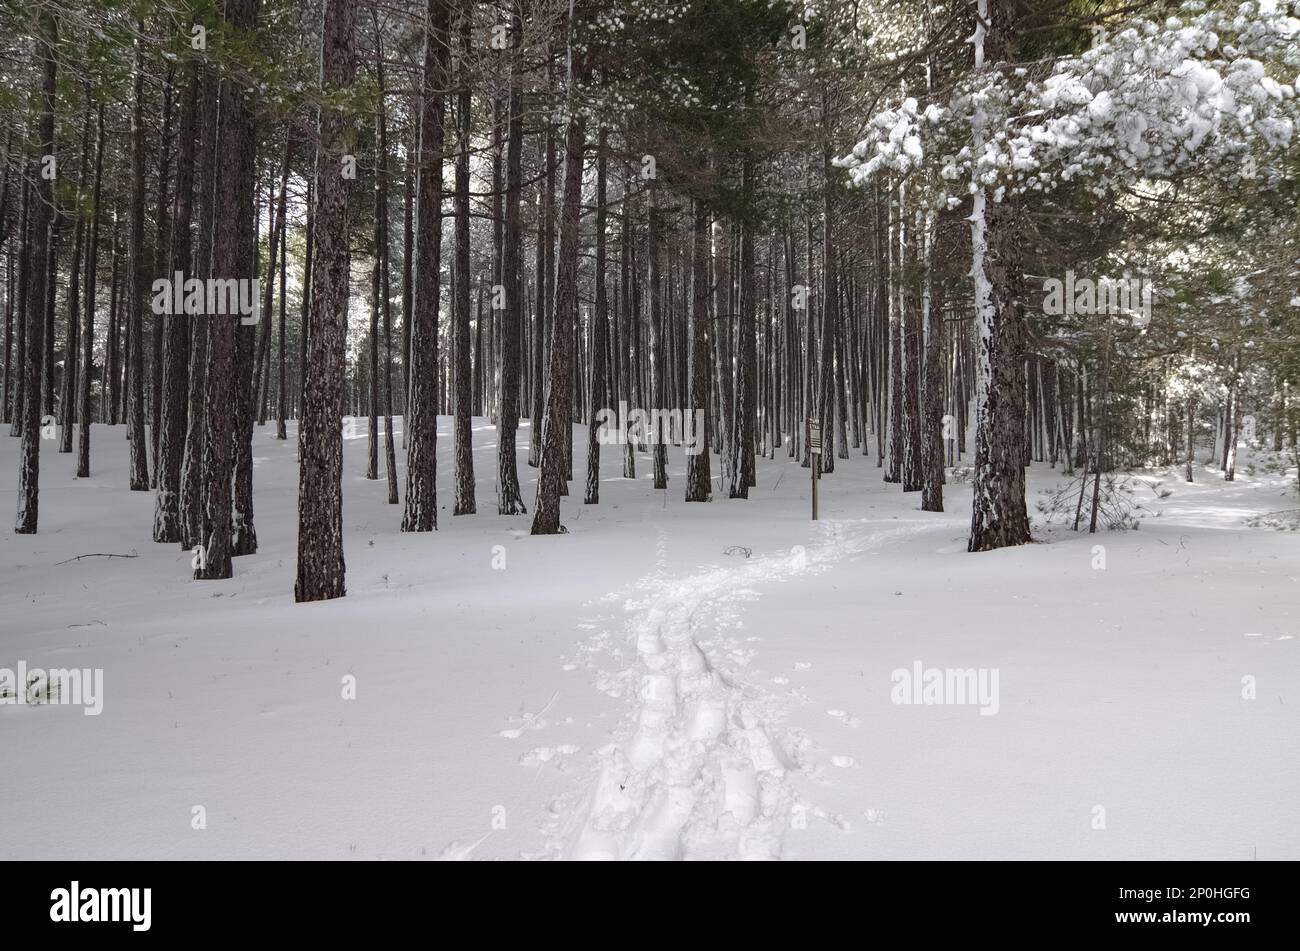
x: 665, y: 681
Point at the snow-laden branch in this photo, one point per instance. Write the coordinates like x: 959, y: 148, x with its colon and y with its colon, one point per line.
x: 1207, y: 90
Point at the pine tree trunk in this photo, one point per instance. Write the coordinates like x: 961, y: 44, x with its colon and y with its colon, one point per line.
x: 72, y: 335
x: 998, y: 515
x: 509, y: 498
x: 699, y: 484
x: 138, y: 282
x: 658, y: 356
x: 932, y: 415
x: 176, y: 351
x: 160, y: 258
x: 556, y: 428
x: 88, y: 335
x: 225, y: 406
x: 421, y: 512
x: 320, y: 444
x: 463, y: 436
x: 29, y: 457
x: 599, y: 365
x: 830, y: 324
x: 192, y: 501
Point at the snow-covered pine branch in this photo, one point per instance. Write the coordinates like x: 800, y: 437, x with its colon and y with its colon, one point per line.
x: 1199, y: 92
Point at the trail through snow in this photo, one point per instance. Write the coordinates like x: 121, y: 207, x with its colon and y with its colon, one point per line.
x: 701, y: 767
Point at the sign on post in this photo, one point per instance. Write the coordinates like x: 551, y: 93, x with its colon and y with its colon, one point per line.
x: 815, y: 450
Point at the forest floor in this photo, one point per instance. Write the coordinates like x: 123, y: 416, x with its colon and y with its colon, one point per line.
x: 666, y: 680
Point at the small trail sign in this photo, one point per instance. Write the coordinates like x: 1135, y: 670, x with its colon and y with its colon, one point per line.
x: 815, y: 450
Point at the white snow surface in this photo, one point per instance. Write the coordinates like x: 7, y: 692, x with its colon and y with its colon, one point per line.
x: 665, y: 681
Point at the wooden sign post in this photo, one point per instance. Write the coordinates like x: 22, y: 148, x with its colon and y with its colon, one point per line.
x: 815, y: 462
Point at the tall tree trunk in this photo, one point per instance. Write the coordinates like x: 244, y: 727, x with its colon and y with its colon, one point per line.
x: 320, y: 443
x: 29, y: 458
x: 599, y: 363
x: 421, y: 513
x: 232, y: 252
x: 192, y: 501
x: 88, y: 335
x: 381, y: 288
x: 658, y: 349
x: 160, y: 258
x: 699, y: 483
x: 24, y: 287
x: 176, y: 350
x: 998, y: 515
x: 746, y: 405
x: 139, y: 282
x: 830, y: 321
x: 68, y: 399
x: 932, y: 415
x: 463, y: 435
x: 556, y: 427
x: 509, y: 498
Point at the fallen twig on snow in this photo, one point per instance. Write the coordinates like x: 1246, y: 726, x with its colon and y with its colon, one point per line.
x: 98, y: 554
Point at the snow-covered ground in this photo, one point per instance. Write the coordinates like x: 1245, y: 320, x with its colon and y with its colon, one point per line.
x: 666, y: 680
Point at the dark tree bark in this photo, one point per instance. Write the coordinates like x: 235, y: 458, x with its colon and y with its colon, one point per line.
x: 421, y: 513
x: 282, y: 394
x: 24, y: 286
x: 320, y: 445
x: 232, y: 252
x: 68, y: 401
x: 932, y: 417
x: 43, y: 195
x: 509, y: 498
x: 599, y: 363
x: 463, y: 433
x: 381, y: 289
x: 88, y: 335
x: 176, y: 338
x: 699, y: 485
x: 913, y: 470
x: 136, y: 300
x: 746, y: 405
x: 192, y: 500
x: 113, y: 344
x: 160, y: 259
x: 556, y: 427
x: 830, y: 324
x: 658, y: 349
x: 998, y: 515
x: 274, y: 244
x: 304, y: 329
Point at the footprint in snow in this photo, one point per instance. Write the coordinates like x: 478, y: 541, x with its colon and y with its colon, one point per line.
x: 843, y: 717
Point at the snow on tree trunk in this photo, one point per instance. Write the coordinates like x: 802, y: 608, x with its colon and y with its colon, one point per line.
x: 998, y: 515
